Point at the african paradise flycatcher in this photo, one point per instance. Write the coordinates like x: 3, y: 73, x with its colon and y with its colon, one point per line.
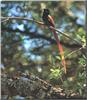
x: 48, y: 20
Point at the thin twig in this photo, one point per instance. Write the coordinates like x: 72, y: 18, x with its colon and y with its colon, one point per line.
x: 73, y: 52
x: 5, y: 20
x: 23, y: 18
x: 65, y: 34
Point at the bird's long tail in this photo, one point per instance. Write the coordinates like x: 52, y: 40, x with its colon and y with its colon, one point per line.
x: 60, y: 49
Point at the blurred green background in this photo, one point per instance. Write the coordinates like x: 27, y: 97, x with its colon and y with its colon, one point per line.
x: 30, y: 47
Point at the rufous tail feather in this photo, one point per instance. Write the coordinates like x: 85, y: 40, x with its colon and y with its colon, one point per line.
x: 60, y: 50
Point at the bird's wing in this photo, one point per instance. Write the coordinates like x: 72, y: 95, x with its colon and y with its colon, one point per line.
x: 50, y: 19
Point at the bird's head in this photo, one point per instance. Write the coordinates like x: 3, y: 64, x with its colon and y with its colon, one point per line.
x: 46, y: 12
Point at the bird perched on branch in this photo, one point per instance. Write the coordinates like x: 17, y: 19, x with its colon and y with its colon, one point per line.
x: 48, y: 20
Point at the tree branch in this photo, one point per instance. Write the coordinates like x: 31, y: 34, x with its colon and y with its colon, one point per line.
x: 29, y: 85
x: 41, y: 23
x: 21, y: 18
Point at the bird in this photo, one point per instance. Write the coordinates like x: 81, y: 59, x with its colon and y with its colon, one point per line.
x: 49, y: 21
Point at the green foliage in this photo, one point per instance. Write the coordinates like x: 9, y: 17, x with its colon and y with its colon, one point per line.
x: 76, y: 83
x: 82, y: 61
x: 56, y: 73
x: 81, y: 35
x: 79, y: 85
